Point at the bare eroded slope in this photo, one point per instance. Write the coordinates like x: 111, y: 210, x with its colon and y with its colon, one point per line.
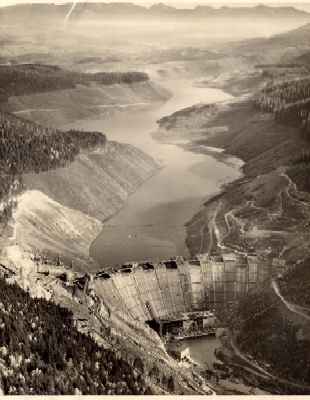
x: 97, y: 183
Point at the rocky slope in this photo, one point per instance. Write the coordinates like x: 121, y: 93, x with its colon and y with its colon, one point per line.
x: 42, y: 224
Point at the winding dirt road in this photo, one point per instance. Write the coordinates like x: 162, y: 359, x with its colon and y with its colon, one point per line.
x: 212, y: 228
x: 290, y: 306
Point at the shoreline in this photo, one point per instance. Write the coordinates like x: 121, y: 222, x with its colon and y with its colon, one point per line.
x: 104, y: 221
x: 246, y: 130
x: 212, y: 152
x: 218, y: 153
x: 215, y: 152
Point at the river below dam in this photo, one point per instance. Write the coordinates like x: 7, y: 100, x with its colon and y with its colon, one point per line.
x: 152, y: 223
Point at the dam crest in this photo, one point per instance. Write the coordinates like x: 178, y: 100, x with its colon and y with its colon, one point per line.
x: 155, y: 290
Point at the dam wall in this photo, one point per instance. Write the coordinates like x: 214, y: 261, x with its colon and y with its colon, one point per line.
x: 148, y: 291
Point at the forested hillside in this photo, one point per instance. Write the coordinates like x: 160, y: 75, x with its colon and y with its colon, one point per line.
x: 295, y: 284
x: 270, y: 336
x: 41, y: 352
x: 288, y: 99
x: 18, y: 80
x: 29, y: 147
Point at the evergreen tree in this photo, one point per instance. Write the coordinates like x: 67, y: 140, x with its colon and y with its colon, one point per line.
x: 171, y: 384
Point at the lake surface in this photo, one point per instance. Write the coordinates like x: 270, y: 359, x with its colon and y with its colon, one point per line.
x: 151, y: 225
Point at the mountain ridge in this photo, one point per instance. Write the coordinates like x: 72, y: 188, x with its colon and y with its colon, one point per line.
x: 156, y: 10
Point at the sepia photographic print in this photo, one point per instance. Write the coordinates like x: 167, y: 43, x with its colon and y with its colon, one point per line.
x: 154, y: 198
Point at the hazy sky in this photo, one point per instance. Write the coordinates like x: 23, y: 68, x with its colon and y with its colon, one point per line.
x: 179, y: 3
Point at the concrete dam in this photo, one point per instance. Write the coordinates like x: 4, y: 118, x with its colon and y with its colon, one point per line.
x: 150, y: 291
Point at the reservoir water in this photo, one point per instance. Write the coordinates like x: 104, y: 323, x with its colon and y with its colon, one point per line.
x: 152, y: 223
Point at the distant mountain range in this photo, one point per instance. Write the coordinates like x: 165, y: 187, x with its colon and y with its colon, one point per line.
x: 159, y: 10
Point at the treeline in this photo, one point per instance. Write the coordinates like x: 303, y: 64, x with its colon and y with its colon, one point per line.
x: 281, y: 95
x: 279, y: 73
x: 296, y: 115
x: 18, y: 80
x: 290, y: 71
x: 28, y: 147
x: 269, y: 338
x: 42, y: 352
x: 112, y: 78
x: 290, y: 103
x: 287, y: 71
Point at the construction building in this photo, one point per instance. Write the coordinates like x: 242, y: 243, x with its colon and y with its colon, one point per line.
x: 185, y: 325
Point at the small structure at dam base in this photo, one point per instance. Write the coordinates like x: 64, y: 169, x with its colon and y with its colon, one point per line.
x: 179, y: 352
x: 186, y: 325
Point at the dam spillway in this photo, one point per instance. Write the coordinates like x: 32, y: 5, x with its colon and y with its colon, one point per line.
x: 147, y: 291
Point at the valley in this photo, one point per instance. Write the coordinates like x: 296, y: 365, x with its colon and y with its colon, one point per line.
x: 189, y: 150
